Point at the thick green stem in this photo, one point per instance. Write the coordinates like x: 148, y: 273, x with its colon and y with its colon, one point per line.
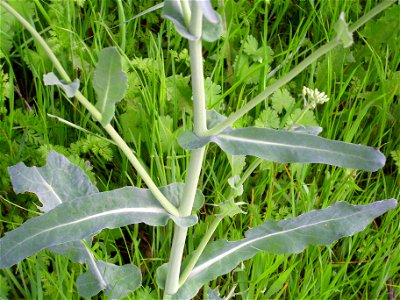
x: 96, y: 114
x: 196, y: 159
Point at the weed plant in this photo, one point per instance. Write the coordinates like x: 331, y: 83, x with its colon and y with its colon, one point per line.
x: 262, y: 41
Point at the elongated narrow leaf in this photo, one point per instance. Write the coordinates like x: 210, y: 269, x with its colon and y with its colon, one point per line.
x: 69, y: 88
x: 120, y: 281
x: 321, y: 227
x: 83, y: 217
x: 286, y: 146
x: 212, y: 21
x: 57, y: 182
x: 109, y: 83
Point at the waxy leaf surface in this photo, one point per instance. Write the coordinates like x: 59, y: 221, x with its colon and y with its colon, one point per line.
x: 78, y: 219
x: 119, y: 281
x: 57, y: 182
x: 212, y: 21
x: 318, y: 227
x: 288, y: 146
x: 69, y: 88
x: 109, y: 83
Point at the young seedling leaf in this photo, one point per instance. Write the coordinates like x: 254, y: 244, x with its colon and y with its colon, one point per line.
x: 120, y: 281
x: 57, y: 182
x: 212, y: 21
x: 342, y: 31
x: 85, y: 216
x: 109, y: 82
x: 318, y: 227
x: 286, y: 146
x: 69, y: 88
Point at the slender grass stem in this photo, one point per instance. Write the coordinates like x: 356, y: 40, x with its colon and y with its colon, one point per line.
x: 97, y: 115
x: 272, y: 88
x: 122, y: 31
x: 196, y: 159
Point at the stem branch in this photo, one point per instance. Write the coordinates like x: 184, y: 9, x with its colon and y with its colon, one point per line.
x: 96, y: 114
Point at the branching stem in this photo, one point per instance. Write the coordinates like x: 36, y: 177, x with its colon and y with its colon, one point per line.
x: 96, y: 114
x: 196, y: 159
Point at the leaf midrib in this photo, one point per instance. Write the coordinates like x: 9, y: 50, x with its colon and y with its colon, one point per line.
x: 205, y: 265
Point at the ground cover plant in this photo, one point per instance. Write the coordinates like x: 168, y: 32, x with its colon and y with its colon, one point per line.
x: 154, y: 117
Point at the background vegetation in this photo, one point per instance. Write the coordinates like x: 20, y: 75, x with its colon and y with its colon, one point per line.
x: 362, y: 83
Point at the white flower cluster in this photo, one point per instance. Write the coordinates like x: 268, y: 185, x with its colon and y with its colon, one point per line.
x: 314, y: 97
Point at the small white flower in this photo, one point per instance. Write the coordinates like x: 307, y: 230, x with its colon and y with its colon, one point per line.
x: 313, y: 97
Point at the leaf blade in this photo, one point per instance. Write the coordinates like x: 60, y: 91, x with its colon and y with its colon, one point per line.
x: 287, y: 146
x: 83, y: 217
x: 109, y: 83
x: 286, y: 236
x: 52, y: 188
x: 69, y: 88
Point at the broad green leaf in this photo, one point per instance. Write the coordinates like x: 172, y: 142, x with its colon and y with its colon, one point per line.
x: 69, y: 88
x: 78, y: 219
x: 109, y: 83
x: 318, y: 227
x: 342, y: 31
x: 285, y: 146
x: 212, y: 21
x: 120, y: 280
x: 57, y: 182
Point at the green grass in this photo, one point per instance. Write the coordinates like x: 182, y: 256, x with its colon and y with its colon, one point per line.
x: 363, y: 108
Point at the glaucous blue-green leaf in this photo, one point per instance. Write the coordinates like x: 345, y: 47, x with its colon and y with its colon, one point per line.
x: 286, y: 146
x: 119, y: 281
x: 342, y: 32
x: 75, y: 251
x: 69, y: 88
x: 57, y: 182
x: 109, y: 82
x: 213, y: 294
x: 83, y: 217
x: 318, y: 227
x: 212, y: 21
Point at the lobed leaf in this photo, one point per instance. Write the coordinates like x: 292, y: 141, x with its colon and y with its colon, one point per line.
x: 78, y: 219
x: 57, y: 182
x: 318, y: 227
x: 109, y: 83
x: 288, y: 146
x: 120, y: 281
x: 69, y: 88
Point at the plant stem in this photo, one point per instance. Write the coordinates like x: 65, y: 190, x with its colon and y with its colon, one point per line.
x: 140, y: 170
x: 196, y: 159
x: 296, y: 70
x: 96, y: 114
x: 199, y: 250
